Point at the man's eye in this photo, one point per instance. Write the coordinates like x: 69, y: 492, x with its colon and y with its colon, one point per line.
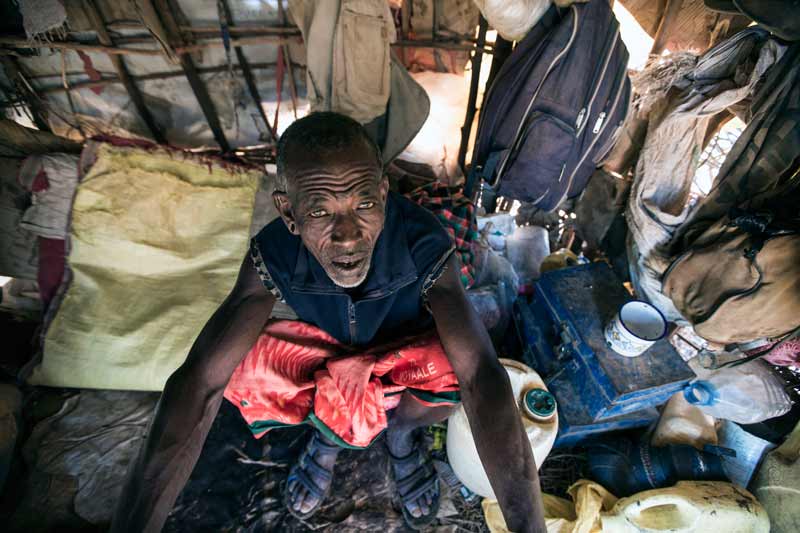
x: 366, y: 205
x: 318, y: 213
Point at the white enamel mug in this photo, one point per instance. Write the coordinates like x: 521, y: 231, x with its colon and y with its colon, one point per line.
x: 636, y: 326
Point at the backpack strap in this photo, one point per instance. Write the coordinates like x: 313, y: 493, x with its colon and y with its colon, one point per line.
x: 484, y: 172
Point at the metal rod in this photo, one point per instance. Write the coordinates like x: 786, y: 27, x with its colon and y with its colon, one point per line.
x: 287, y: 31
x: 185, y: 49
x: 437, y: 7
x: 110, y: 77
x: 244, y: 28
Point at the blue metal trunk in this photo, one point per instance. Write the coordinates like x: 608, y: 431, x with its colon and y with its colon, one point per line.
x: 597, y: 389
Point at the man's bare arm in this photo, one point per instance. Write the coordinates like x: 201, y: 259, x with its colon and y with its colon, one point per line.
x: 189, y: 404
x: 486, y: 394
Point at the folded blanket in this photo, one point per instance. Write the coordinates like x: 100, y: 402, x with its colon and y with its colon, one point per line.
x: 297, y: 373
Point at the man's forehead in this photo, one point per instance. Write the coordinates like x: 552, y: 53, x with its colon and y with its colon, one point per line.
x: 342, y: 170
x: 357, y: 152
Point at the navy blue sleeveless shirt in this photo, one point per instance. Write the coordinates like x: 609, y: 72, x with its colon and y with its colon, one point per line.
x: 409, y: 256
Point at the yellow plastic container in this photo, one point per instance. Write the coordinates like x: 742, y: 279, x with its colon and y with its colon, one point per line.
x: 688, y: 507
x: 539, y: 416
x: 684, y: 423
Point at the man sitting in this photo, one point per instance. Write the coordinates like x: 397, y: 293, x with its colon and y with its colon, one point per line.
x: 387, y: 338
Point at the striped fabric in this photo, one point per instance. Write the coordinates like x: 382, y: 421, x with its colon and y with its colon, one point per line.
x: 457, y: 214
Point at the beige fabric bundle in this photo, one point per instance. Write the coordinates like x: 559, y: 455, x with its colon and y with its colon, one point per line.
x: 732, y: 297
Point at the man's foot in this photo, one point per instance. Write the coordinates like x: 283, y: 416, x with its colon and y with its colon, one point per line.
x: 310, y: 478
x: 415, y: 479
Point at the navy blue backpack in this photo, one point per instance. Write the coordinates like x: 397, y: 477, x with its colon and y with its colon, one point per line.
x: 553, y: 111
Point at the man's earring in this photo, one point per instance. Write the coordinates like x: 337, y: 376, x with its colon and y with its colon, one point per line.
x: 291, y: 227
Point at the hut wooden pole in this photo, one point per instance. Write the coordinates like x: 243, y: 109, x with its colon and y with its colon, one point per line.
x: 145, y: 77
x: 666, y: 25
x: 287, y: 57
x: 18, y: 77
x: 248, y: 75
x: 70, y: 45
x: 97, y: 22
x: 466, y: 129
x: 164, y: 11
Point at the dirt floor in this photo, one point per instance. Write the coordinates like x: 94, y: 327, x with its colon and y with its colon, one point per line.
x: 238, y: 486
x: 70, y: 468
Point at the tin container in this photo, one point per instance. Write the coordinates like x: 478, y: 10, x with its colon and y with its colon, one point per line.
x: 635, y: 328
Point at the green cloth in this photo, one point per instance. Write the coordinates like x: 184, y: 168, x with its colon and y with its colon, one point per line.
x: 156, y: 240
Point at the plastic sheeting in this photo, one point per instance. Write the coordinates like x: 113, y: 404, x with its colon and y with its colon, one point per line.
x: 49, y: 214
x: 170, y: 99
x: 78, y: 458
x: 156, y: 240
x: 438, y: 141
x: 87, y: 445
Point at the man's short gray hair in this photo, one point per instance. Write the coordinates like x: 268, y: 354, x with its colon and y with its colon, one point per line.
x: 320, y: 133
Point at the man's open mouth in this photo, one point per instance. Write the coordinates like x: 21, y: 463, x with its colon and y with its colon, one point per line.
x: 349, y: 264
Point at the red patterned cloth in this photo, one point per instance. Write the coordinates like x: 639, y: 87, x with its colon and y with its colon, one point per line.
x: 297, y: 373
x: 786, y: 353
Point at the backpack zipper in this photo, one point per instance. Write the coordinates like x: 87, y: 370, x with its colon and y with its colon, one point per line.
x: 587, y: 111
x: 536, y: 92
x: 603, y: 126
x: 579, y: 120
x: 597, y: 125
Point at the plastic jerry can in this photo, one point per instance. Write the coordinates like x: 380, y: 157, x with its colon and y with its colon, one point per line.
x: 537, y: 409
x: 745, y: 394
x: 688, y: 507
x: 684, y: 423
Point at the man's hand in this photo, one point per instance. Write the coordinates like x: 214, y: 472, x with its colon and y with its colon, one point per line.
x: 189, y: 404
x: 502, y: 444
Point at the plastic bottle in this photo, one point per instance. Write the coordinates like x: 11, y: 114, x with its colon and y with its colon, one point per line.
x: 745, y: 394
x: 684, y: 423
x: 525, y: 249
x: 497, y: 227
